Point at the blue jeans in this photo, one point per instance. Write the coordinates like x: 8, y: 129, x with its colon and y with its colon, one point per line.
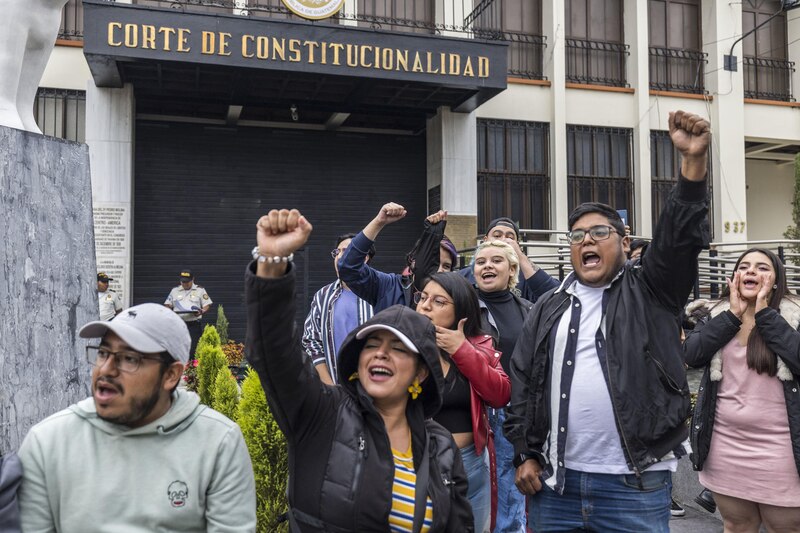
x: 510, y: 501
x: 479, y: 487
x: 604, y: 502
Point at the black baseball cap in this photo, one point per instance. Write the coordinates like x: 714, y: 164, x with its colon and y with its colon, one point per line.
x: 503, y: 221
x: 102, y: 276
x: 186, y: 275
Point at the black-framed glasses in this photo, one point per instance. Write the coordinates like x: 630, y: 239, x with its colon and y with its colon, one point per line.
x: 124, y: 361
x: 438, y: 301
x: 597, y: 233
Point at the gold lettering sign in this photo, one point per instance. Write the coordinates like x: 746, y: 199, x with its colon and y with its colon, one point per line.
x: 281, y: 49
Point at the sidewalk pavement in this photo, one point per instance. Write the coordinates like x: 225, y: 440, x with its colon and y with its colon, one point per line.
x: 695, y: 521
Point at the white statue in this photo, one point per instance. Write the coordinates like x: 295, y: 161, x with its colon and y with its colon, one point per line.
x: 28, y: 31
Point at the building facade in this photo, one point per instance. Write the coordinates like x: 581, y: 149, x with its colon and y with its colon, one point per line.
x: 187, y: 150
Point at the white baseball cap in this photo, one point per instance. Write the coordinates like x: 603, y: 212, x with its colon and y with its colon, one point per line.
x: 147, y: 328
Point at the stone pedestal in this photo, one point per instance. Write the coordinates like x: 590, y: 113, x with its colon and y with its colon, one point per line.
x: 47, y: 278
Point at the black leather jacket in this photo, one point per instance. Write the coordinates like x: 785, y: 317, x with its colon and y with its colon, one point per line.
x: 708, y: 338
x: 340, y: 460
x: 647, y: 380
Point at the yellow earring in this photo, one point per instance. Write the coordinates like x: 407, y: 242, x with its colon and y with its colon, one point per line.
x: 415, y: 389
x: 353, y: 376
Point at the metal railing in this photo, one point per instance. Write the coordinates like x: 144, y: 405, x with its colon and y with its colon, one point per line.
x: 768, y: 79
x: 71, y: 27
x: 677, y: 70
x: 714, y: 265
x: 596, y: 62
x: 461, y: 18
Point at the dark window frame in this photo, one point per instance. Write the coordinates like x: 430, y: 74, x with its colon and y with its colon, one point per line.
x: 674, y: 64
x: 514, y: 172
x: 595, y: 172
x: 61, y: 113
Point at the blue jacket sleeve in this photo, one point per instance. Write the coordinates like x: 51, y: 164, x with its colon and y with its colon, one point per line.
x: 379, y: 289
x: 538, y: 284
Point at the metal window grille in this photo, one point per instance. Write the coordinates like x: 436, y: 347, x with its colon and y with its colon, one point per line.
x: 600, y: 167
x: 677, y: 70
x: 514, y: 172
x: 61, y: 113
x: 596, y: 62
x: 71, y: 21
x: 768, y: 79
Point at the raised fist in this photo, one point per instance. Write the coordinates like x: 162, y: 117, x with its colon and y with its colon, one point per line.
x: 390, y: 213
x: 690, y: 133
x: 282, y: 232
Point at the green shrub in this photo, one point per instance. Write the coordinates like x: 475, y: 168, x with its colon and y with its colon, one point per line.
x: 210, y: 359
x: 267, y: 448
x: 222, y: 325
x: 226, y: 393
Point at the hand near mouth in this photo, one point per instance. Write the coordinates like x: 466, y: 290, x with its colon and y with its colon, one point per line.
x: 762, y: 298
x: 738, y: 305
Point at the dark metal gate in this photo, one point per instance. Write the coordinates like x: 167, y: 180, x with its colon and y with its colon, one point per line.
x: 199, y: 191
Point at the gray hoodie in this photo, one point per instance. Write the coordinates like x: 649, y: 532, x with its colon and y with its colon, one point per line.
x: 188, y: 471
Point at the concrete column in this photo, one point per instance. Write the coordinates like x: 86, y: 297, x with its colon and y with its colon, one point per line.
x: 636, y: 36
x: 727, y: 119
x: 553, y: 27
x: 792, y: 35
x: 110, y: 120
x: 452, y: 147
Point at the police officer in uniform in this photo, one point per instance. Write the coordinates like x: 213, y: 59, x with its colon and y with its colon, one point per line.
x: 191, y: 302
x: 109, y: 301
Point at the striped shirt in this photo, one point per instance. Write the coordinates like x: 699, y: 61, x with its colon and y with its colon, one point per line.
x: 401, y: 518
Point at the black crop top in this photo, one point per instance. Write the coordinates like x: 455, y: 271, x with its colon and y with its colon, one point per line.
x: 456, y: 412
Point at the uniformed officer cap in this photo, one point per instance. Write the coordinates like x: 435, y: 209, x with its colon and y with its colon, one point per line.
x: 102, y: 276
x: 186, y: 274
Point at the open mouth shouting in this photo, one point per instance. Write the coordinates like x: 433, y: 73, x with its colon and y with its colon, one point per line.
x: 105, y: 391
x: 590, y: 259
x: 380, y: 373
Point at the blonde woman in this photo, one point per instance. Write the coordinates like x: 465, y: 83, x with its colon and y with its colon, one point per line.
x: 496, y: 270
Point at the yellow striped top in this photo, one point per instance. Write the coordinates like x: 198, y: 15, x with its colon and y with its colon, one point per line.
x: 401, y: 518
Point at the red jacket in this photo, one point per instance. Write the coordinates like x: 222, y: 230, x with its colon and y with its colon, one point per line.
x: 489, y: 385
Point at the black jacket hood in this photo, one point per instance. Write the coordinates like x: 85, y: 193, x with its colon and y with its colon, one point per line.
x: 420, y: 331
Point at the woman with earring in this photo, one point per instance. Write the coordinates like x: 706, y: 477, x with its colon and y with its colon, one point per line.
x: 473, y: 380
x: 363, y: 455
x: 746, y: 425
x: 496, y: 270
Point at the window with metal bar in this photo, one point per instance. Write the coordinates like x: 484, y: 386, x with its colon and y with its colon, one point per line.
x: 600, y: 167
x: 417, y: 16
x: 595, y: 45
x: 665, y: 166
x: 677, y: 62
x: 766, y: 69
x: 519, y: 22
x: 71, y: 21
x: 61, y: 113
x: 514, y: 172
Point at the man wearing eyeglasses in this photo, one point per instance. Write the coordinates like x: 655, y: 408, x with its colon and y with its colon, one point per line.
x: 599, y: 395
x: 139, y: 455
x: 335, y: 312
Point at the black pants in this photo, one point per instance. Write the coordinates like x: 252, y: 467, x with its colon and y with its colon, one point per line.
x: 195, y: 331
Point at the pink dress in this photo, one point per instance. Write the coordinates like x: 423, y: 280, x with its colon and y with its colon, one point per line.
x: 751, y: 451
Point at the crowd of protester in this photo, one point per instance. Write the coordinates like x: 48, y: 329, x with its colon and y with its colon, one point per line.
x: 491, y: 399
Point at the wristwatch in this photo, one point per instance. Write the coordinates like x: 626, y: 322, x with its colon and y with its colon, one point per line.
x: 521, y: 458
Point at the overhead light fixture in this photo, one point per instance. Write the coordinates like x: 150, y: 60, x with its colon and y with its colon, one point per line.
x: 295, y: 115
x: 786, y: 5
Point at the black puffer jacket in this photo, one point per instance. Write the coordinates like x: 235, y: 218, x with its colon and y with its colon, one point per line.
x: 703, y: 348
x: 647, y: 380
x: 340, y: 461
